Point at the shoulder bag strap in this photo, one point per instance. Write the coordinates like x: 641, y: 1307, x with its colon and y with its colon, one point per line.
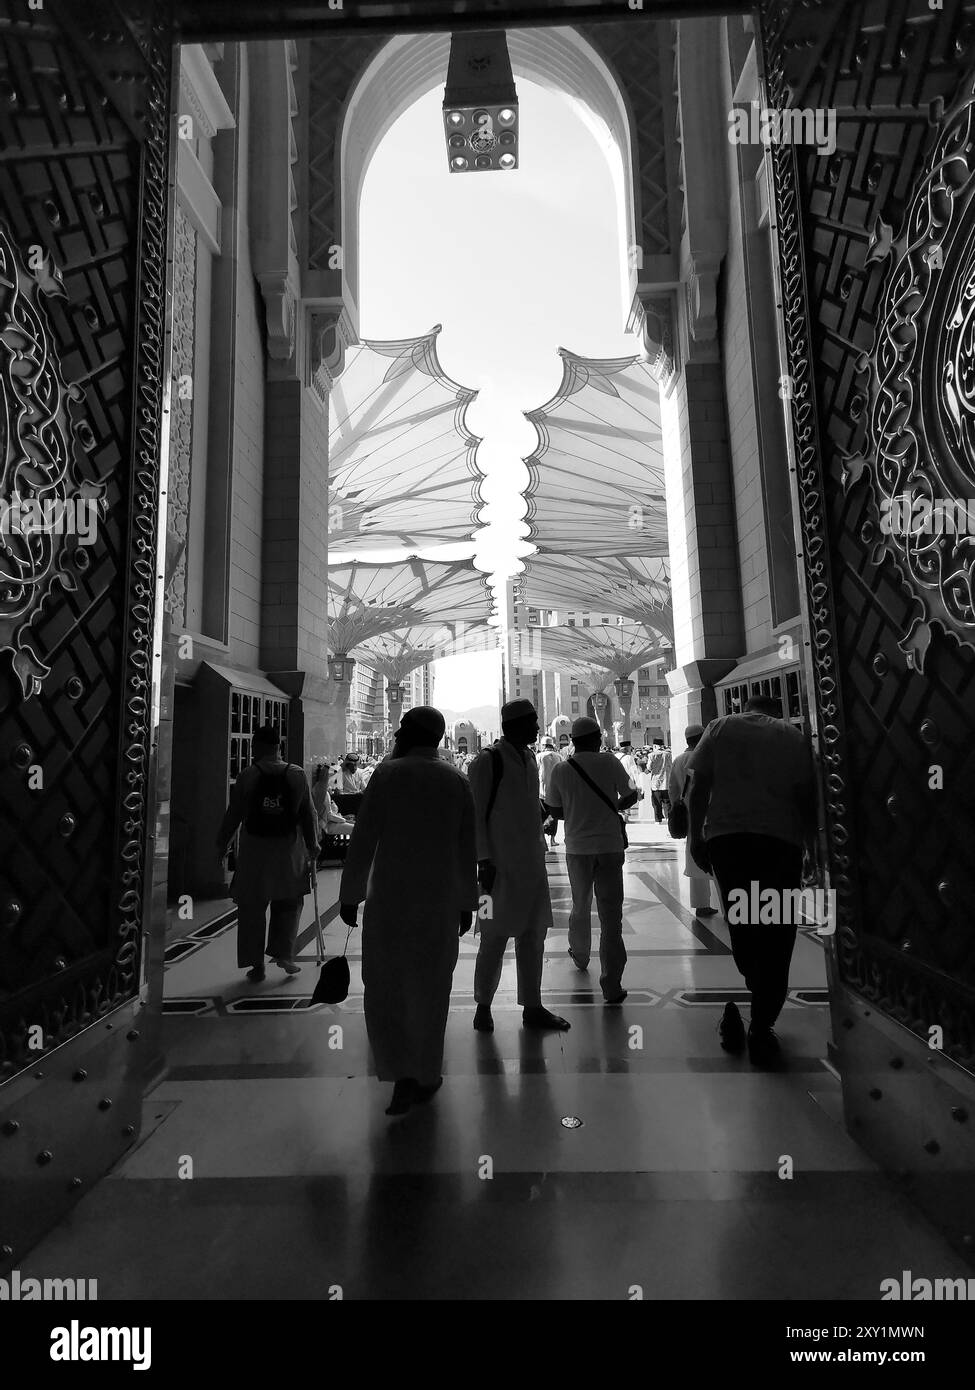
x: 598, y: 790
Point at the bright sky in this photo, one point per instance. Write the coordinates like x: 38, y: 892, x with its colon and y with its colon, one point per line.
x: 514, y: 265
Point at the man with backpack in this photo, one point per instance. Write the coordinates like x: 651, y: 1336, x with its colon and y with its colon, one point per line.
x: 590, y: 792
x: 271, y: 804
x: 511, y: 868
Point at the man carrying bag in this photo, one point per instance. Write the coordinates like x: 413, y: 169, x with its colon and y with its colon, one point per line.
x: 589, y: 792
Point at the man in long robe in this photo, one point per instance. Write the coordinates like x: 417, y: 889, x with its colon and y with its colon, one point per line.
x: 700, y: 882
x: 412, y: 860
x: 511, y: 869
x: 272, y: 871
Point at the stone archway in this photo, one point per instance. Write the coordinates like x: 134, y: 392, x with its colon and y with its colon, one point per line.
x: 407, y: 67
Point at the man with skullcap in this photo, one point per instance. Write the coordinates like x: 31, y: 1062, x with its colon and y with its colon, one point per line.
x: 411, y: 858
x: 511, y: 868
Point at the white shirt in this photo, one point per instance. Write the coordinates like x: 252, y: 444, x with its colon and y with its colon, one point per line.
x: 590, y: 826
x: 761, y: 769
x: 546, y: 763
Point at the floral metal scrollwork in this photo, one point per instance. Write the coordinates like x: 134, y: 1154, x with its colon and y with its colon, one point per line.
x: 918, y: 449
x: 39, y: 480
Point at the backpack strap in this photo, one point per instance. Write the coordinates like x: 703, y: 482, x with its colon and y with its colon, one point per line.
x: 497, y: 772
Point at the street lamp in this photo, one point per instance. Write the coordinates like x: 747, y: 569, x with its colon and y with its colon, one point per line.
x: 340, y: 668
x: 480, y: 107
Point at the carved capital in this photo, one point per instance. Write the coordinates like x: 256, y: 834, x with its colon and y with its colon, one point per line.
x: 653, y: 317
x: 280, y: 301
x: 701, y: 288
x: 329, y: 334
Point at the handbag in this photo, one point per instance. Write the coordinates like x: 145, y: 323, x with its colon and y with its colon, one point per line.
x: 678, y: 820
x: 333, y: 982
x: 604, y: 798
x: 334, y: 977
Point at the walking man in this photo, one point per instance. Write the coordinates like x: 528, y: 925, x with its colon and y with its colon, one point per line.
x: 590, y: 792
x: 751, y: 807
x: 271, y: 803
x: 548, y: 761
x: 659, y: 768
x: 629, y: 765
x: 412, y: 859
x: 700, y: 882
x: 511, y: 868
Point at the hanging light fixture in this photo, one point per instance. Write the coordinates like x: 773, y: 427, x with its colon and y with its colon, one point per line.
x: 480, y: 108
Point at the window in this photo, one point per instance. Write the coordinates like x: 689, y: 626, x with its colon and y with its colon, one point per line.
x: 574, y: 689
x: 734, y: 698
x: 644, y: 692
x: 571, y: 622
x: 793, y: 701
x: 586, y: 622
x: 604, y: 621
x: 575, y: 706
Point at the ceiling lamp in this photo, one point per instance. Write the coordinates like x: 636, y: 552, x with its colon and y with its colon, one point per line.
x: 480, y: 108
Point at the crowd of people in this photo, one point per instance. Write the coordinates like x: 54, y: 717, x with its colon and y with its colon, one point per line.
x: 434, y: 847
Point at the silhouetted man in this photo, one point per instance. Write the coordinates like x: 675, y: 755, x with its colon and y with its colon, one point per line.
x: 700, y: 882
x: 658, y: 768
x: 271, y: 803
x: 412, y: 858
x: 751, y: 806
x: 511, y: 868
x: 589, y: 792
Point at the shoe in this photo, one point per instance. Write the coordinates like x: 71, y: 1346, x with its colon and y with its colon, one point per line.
x: 542, y: 1018
x: 288, y: 966
x: 732, y: 1029
x: 256, y: 975
x: 404, y: 1094
x: 615, y: 998
x: 579, y: 964
x: 705, y: 911
x: 764, y: 1049
x: 483, y: 1021
x: 425, y: 1093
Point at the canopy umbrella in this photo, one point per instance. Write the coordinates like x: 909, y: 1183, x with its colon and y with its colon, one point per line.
x: 367, y: 599
x: 596, y: 478
x: 634, y: 587
x: 402, y: 467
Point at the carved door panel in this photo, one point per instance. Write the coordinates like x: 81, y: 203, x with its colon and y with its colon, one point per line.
x: 84, y: 114
x: 882, y: 231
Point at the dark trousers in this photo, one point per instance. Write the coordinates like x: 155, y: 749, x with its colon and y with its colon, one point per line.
x: 281, y: 935
x: 661, y: 805
x: 762, y: 953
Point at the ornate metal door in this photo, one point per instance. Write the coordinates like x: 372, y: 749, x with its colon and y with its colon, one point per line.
x: 84, y: 120
x: 877, y: 262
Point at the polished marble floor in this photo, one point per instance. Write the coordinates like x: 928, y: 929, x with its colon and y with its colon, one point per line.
x: 630, y: 1152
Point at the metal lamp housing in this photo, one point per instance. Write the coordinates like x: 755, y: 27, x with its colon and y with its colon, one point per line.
x: 480, y: 108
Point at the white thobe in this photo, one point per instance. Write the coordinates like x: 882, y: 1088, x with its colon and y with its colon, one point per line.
x: 412, y: 859
x: 520, y: 904
x: 700, y: 882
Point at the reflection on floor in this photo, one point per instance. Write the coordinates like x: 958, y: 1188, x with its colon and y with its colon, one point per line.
x: 629, y: 1154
